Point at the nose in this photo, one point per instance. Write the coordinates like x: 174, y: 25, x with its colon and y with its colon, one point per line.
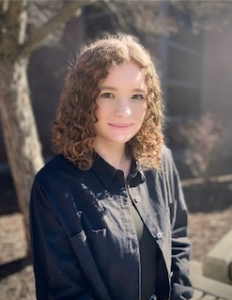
x: 123, y: 108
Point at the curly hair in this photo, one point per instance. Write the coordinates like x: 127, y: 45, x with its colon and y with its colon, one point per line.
x: 73, y: 128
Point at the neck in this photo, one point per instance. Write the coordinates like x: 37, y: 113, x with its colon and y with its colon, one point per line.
x: 116, y: 157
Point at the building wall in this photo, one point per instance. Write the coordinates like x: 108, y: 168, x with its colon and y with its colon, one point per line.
x: 217, y: 75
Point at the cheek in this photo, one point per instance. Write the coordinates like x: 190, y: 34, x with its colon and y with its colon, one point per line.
x: 143, y: 114
x: 101, y: 112
x: 142, y: 110
x: 98, y: 110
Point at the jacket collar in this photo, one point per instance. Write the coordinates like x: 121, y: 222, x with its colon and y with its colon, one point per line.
x: 106, y: 173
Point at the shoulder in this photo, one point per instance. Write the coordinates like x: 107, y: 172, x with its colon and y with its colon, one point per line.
x: 167, y: 159
x: 169, y: 171
x: 166, y: 152
x: 167, y: 166
x: 56, y: 164
x: 58, y: 178
x: 56, y: 169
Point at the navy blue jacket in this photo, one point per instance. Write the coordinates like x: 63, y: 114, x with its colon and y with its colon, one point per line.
x: 84, y: 241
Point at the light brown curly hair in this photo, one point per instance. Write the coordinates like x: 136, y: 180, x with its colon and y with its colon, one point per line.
x: 73, y: 128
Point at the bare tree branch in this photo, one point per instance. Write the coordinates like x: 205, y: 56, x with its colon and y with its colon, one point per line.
x: 13, y: 26
x: 39, y: 35
x: 120, y: 19
x: 3, y: 9
x: 3, y: 6
x: 13, y: 8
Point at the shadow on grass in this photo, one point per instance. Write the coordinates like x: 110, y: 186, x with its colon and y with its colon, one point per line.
x: 209, y: 198
x: 14, y: 267
x: 8, y: 203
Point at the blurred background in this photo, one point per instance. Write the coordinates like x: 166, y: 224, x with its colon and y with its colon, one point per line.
x: 190, y: 43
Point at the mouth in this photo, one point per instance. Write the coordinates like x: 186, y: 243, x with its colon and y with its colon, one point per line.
x: 120, y: 126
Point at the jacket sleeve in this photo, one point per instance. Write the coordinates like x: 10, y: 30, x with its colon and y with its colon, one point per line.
x: 57, y: 271
x: 181, y: 285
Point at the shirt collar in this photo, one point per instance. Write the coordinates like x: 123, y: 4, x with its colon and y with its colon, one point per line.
x: 105, y: 172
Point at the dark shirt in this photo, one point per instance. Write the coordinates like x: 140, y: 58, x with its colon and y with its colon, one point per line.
x: 149, y: 255
x: 84, y: 241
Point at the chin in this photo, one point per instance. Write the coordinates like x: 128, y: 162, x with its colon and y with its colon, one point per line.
x: 121, y: 141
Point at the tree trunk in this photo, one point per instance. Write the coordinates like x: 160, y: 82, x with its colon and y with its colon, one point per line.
x: 18, y: 124
x: 19, y: 131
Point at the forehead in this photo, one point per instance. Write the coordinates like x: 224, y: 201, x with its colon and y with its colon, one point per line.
x: 128, y: 74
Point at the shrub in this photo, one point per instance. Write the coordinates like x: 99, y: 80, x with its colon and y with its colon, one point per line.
x: 202, y: 138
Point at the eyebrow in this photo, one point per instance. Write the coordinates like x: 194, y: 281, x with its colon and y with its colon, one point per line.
x: 110, y: 88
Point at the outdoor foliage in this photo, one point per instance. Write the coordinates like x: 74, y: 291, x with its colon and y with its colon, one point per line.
x: 203, y: 140
x: 204, y: 15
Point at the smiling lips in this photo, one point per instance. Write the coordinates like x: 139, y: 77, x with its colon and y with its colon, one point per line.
x: 120, y: 126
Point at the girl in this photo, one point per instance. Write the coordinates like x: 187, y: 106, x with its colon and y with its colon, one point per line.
x: 108, y: 217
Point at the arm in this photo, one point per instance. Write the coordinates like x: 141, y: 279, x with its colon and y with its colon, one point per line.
x: 57, y: 270
x: 181, y: 285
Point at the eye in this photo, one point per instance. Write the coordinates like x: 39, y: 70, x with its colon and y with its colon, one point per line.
x: 138, y: 97
x: 107, y: 95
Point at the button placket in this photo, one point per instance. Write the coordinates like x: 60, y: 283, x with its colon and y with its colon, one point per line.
x: 134, y: 241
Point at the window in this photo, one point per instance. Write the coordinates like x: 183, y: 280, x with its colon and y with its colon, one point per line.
x: 181, y: 61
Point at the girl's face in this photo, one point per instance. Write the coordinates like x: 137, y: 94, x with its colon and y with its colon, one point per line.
x: 121, y: 104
